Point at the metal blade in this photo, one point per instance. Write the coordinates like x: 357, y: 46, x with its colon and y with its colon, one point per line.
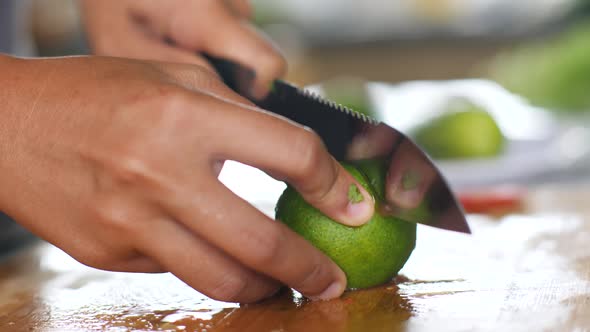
x: 413, y: 189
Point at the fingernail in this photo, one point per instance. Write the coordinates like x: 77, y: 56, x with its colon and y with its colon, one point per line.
x: 360, y: 205
x: 333, y: 291
x: 354, y: 194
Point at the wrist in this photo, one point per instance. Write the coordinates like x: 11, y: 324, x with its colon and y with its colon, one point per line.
x: 17, y: 89
x: 6, y: 62
x: 10, y: 91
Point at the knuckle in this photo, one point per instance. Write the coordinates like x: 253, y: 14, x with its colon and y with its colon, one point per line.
x: 204, y: 80
x: 308, y: 150
x: 132, y: 167
x: 323, y: 190
x: 104, y: 254
x: 314, y: 176
x: 136, y: 150
x: 311, y: 276
x: 98, y: 258
x: 192, y: 76
x: 177, y: 111
x: 117, y: 215
x: 172, y: 98
x: 229, y: 288
x: 162, y: 95
x: 111, y: 215
x: 266, y: 246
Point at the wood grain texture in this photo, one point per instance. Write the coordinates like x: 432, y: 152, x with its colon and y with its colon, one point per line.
x: 522, y: 272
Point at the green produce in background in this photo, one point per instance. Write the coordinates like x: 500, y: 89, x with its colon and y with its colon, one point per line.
x: 554, y: 74
x: 369, y: 255
x: 464, y: 130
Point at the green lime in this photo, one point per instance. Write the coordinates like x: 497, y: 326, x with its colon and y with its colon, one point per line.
x: 369, y: 255
x: 465, y: 130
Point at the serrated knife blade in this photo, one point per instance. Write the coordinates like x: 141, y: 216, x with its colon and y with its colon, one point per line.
x: 414, y: 189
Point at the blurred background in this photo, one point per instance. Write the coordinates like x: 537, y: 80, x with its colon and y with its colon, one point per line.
x: 497, y: 91
x: 379, y: 40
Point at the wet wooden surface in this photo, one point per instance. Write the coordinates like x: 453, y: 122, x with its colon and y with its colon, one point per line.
x: 528, y: 271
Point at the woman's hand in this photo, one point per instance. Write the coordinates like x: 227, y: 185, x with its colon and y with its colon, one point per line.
x: 116, y: 161
x: 177, y: 30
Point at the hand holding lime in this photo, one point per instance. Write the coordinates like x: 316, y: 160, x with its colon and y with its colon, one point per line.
x: 369, y: 255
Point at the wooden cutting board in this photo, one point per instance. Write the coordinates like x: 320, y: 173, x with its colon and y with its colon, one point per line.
x: 528, y: 271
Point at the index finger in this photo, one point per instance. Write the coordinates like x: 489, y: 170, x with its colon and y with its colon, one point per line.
x: 233, y: 38
x: 294, y: 154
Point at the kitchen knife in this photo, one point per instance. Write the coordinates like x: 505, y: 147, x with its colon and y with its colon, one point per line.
x: 414, y: 188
